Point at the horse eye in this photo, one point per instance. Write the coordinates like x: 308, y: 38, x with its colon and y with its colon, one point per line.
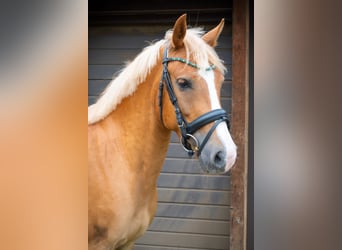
x: 183, y: 84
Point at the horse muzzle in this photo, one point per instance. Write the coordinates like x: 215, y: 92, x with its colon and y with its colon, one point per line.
x: 216, y: 161
x: 217, y: 157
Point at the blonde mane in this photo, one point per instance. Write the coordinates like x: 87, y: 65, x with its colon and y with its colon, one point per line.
x: 133, y: 74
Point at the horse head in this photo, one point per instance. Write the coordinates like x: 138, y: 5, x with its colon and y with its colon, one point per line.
x: 192, y: 79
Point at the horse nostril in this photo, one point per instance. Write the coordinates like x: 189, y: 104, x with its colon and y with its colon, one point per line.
x: 219, y: 159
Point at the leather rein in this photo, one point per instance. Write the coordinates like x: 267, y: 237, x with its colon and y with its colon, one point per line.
x: 189, y: 142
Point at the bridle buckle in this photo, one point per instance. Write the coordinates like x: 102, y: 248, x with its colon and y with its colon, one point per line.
x: 182, y: 125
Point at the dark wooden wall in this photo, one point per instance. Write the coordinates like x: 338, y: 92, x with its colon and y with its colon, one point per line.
x: 193, y: 209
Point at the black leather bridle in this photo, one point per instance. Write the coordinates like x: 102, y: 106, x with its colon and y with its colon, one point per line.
x: 188, y: 140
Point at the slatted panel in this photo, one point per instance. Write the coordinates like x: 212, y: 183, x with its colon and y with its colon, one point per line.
x: 180, y: 225
x: 184, y: 240
x: 193, y: 209
x: 193, y: 196
x: 194, y: 181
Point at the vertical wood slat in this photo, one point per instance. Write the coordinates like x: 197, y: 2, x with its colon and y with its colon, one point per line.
x: 239, y: 124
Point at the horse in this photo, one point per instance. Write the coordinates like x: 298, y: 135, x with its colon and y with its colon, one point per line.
x: 172, y: 85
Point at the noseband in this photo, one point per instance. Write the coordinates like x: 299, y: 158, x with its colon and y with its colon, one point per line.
x: 188, y: 140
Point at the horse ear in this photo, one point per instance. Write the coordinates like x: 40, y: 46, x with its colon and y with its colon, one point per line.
x: 179, y: 31
x: 212, y: 35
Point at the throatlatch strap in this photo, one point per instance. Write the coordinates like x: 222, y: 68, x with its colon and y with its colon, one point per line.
x: 161, y: 88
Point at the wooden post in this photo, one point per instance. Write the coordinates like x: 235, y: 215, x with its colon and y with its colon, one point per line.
x: 239, y: 125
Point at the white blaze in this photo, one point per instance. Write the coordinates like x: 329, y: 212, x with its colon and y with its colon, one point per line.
x: 221, y: 130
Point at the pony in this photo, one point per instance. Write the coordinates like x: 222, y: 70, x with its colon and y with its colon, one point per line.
x: 172, y: 85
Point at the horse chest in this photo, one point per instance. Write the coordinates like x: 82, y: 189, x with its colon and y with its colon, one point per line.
x: 140, y: 222
x: 133, y: 225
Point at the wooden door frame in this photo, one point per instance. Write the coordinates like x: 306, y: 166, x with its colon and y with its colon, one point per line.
x: 240, y: 123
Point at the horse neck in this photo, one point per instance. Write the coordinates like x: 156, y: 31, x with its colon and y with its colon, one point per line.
x: 142, y: 133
